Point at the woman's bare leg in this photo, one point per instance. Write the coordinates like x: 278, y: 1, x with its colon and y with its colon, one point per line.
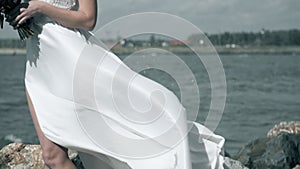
x: 55, y: 156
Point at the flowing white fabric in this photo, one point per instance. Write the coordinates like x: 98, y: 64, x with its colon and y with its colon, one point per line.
x: 99, y: 132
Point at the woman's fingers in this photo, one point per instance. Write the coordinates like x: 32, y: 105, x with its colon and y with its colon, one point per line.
x: 22, y: 17
x: 23, y: 20
x: 22, y: 9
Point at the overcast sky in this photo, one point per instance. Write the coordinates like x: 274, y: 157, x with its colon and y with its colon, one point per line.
x: 212, y: 16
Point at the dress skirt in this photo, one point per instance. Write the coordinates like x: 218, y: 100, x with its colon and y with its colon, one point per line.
x: 88, y: 100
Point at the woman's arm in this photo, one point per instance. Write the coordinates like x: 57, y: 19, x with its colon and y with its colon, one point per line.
x: 84, y: 18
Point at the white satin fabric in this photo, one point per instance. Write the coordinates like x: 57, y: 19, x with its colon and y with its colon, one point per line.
x: 97, y: 131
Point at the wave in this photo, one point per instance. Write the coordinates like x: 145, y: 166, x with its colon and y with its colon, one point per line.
x: 10, y: 138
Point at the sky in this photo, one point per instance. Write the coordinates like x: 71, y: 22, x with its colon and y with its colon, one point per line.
x: 211, y: 16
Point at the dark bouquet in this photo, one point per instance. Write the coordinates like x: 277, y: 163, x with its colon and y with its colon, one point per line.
x: 10, y: 9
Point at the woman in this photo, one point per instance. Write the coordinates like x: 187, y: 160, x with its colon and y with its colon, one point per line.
x: 54, y: 155
x: 62, y: 37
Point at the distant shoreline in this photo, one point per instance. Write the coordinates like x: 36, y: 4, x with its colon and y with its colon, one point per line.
x: 220, y: 50
x: 185, y: 50
x: 12, y: 51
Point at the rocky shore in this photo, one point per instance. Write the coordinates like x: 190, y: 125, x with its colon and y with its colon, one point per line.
x: 24, y: 156
x: 280, y: 149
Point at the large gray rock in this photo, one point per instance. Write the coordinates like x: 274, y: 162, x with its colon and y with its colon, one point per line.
x: 278, y: 152
x: 21, y: 156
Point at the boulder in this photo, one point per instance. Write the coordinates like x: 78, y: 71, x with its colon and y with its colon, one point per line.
x: 233, y: 164
x: 279, y: 152
x: 292, y: 127
x: 297, y: 167
x: 20, y: 156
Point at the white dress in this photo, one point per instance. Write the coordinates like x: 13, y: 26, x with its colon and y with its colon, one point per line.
x: 87, y: 110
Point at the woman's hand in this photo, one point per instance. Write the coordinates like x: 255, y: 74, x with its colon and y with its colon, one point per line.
x: 84, y: 18
x: 26, y: 13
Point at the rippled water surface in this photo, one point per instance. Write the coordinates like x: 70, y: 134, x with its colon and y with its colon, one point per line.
x: 262, y: 90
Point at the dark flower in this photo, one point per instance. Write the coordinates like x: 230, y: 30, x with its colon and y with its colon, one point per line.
x: 10, y: 9
x: 2, y: 2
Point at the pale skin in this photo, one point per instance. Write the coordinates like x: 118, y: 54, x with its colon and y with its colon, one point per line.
x: 84, y: 18
x: 54, y: 155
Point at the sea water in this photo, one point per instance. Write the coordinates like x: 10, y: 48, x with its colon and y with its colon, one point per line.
x: 262, y: 90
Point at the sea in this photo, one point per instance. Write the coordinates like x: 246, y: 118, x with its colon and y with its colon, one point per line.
x: 261, y: 91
